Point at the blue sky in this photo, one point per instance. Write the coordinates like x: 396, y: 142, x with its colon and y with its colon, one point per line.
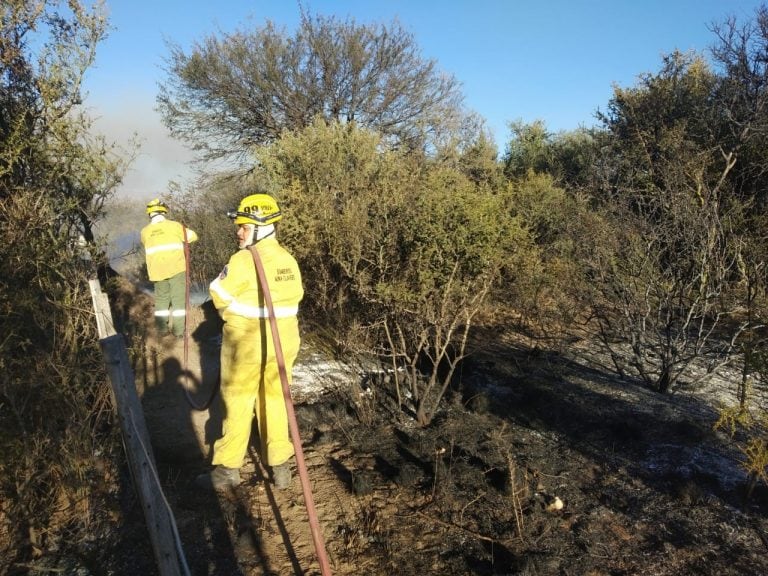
x: 550, y: 60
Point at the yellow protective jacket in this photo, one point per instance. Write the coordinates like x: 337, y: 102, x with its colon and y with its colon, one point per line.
x: 164, y: 248
x: 236, y: 292
x: 250, y: 377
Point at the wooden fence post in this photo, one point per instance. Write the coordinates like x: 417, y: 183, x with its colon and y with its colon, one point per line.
x: 158, y: 517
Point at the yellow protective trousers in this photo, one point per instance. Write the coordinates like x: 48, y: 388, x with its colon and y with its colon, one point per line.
x: 250, y: 385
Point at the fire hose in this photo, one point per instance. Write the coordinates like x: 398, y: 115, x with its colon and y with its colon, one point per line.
x: 314, y: 525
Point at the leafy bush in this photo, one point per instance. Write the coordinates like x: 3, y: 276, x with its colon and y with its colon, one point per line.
x: 543, y: 281
x: 398, y: 250
x: 58, y: 449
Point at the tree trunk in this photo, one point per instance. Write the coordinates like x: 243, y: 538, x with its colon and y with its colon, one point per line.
x: 664, y: 381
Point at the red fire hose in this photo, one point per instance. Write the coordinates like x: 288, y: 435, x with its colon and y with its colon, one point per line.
x: 314, y: 525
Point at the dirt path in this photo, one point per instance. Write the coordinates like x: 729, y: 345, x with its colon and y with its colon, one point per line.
x: 254, y: 529
x: 647, y: 488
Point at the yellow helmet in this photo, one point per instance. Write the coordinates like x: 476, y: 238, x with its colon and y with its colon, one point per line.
x: 258, y: 209
x: 156, y: 207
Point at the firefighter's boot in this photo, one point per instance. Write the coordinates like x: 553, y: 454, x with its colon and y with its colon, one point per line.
x: 220, y: 478
x: 281, y: 475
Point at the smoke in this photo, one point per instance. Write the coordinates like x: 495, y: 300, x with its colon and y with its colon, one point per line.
x: 159, y: 159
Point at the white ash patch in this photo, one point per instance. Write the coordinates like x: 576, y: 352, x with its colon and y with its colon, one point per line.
x: 315, y: 375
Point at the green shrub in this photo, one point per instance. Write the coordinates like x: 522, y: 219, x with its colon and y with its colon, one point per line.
x: 393, y: 247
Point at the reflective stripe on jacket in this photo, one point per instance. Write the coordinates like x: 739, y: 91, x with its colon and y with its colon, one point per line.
x: 236, y: 292
x: 164, y: 248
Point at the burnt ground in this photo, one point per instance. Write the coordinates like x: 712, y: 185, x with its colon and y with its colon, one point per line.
x: 646, y: 486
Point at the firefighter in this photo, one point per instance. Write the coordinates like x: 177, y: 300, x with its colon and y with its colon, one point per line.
x: 163, y: 241
x: 250, y: 379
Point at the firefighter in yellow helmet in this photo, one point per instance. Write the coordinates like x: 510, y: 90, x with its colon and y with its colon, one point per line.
x: 163, y: 241
x: 250, y: 379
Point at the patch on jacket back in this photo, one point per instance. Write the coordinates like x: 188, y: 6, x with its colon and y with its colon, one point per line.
x: 223, y: 273
x: 284, y: 274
